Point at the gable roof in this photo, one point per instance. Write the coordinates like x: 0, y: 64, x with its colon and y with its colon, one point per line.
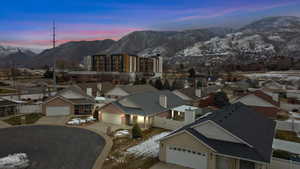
x: 5, y: 102
x: 77, y: 90
x: 238, y: 119
x: 268, y: 111
x: 132, y: 89
x: 189, y: 92
x: 148, y: 102
x: 262, y: 95
x: 105, y: 87
x: 57, y: 96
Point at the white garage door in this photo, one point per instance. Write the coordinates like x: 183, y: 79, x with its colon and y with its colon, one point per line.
x: 58, y: 110
x: 186, y: 158
x: 112, y: 118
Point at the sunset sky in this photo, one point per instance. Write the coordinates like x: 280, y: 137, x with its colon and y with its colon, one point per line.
x: 27, y: 23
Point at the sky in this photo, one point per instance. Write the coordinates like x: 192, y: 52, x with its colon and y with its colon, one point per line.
x: 28, y: 23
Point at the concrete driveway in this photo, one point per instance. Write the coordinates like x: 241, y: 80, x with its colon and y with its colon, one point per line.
x: 53, y: 120
x: 162, y: 165
x: 3, y: 124
x: 102, y: 127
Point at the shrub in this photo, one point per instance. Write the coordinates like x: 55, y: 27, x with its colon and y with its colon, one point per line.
x: 136, y: 131
x: 282, y: 154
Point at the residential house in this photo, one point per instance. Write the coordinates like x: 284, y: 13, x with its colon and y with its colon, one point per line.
x: 261, y: 102
x: 188, y: 114
x: 223, y: 139
x: 71, y: 100
x: 194, y: 95
x: 7, y: 108
x: 96, y: 89
x: 190, y: 94
x: 240, y: 88
x: 140, y: 108
x: 125, y: 90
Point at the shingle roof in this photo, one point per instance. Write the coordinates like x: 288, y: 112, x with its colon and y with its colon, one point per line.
x: 4, y: 102
x: 132, y: 89
x: 106, y: 86
x: 245, y: 123
x: 148, y: 102
x: 263, y: 96
x: 190, y: 92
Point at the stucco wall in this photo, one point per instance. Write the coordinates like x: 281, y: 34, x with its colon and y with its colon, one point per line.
x: 187, y: 141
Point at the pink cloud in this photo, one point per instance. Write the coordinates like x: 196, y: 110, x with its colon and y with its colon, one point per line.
x: 221, y: 12
x: 42, y: 38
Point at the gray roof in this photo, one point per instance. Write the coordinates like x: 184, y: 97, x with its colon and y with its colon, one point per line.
x: 245, y: 123
x: 190, y: 92
x: 148, y: 102
x: 132, y: 89
x: 4, y: 102
x: 106, y: 86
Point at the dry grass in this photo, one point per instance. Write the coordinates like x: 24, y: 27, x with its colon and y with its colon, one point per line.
x: 29, y: 119
x: 287, y: 135
x: 117, y: 158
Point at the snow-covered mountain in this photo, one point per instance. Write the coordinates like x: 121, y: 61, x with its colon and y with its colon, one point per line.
x: 17, y: 55
x: 272, y: 36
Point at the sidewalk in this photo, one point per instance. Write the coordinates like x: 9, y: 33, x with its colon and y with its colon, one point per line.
x: 3, y: 124
x: 288, y: 146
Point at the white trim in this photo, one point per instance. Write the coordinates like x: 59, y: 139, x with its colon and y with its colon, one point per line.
x: 58, y: 96
x: 184, y: 131
x: 245, y: 159
x: 226, y: 131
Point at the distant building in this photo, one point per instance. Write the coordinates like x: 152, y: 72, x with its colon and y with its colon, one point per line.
x: 123, y: 63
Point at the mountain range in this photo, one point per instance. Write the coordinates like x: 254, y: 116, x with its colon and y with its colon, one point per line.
x: 260, y: 39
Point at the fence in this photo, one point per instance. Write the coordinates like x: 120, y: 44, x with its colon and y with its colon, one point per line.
x: 167, y: 123
x: 288, y: 126
x: 30, y: 108
x: 278, y: 163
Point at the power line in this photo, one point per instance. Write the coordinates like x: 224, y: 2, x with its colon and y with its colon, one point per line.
x: 54, y: 64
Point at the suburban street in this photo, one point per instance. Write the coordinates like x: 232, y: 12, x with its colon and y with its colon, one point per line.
x: 53, y: 147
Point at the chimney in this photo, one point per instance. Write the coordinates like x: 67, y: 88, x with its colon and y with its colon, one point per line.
x: 198, y: 92
x: 99, y: 86
x: 89, y: 91
x: 163, y: 101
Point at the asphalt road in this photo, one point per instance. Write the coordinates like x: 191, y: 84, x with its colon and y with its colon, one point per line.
x: 53, y: 147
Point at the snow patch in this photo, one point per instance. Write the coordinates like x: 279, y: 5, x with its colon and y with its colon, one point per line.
x: 149, y: 148
x: 14, y: 161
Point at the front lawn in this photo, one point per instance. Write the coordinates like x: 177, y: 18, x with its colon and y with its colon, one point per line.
x: 6, y: 91
x: 29, y: 119
x: 287, y: 135
x: 120, y: 158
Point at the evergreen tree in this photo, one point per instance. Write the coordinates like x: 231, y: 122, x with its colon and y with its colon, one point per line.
x: 158, y: 84
x: 150, y: 82
x: 221, y: 99
x: 199, y: 84
x: 143, y: 81
x: 136, y: 131
x: 192, y: 72
x: 167, y: 85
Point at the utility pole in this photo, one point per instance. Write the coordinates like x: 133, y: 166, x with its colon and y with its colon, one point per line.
x: 54, y: 60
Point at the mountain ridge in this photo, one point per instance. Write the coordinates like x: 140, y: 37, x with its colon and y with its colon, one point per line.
x: 261, y: 38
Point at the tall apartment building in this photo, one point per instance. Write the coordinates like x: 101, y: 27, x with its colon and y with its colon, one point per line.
x: 123, y: 63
